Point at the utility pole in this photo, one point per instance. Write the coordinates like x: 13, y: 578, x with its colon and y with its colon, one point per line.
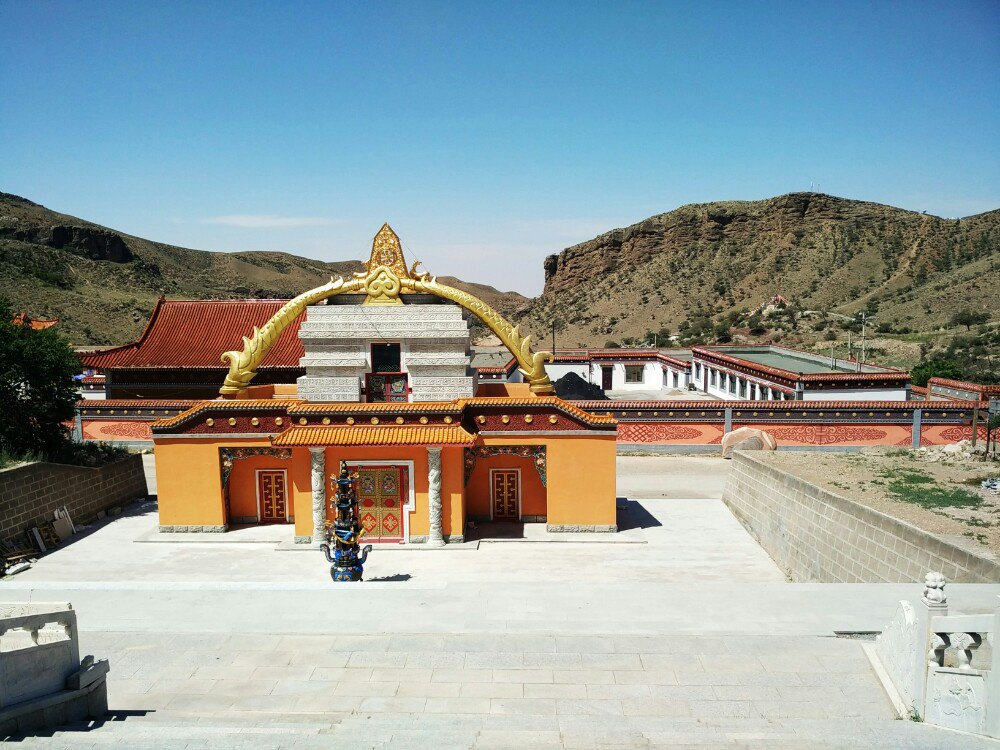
x: 864, y: 323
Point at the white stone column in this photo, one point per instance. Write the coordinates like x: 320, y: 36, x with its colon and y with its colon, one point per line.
x: 435, y: 538
x: 318, y: 494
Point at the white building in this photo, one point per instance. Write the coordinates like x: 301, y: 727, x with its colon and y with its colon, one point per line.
x: 730, y: 373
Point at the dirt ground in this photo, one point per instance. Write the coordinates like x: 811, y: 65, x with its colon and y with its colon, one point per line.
x: 897, y: 482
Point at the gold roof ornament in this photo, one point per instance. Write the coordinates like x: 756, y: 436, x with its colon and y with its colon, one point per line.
x: 387, y: 251
x: 384, y: 279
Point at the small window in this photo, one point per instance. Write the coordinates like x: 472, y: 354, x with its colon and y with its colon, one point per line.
x: 386, y: 358
x: 676, y: 381
x: 633, y: 373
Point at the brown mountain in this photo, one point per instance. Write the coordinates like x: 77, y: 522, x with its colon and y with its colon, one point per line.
x: 102, y: 283
x: 819, y: 252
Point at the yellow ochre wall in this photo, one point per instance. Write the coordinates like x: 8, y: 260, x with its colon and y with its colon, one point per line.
x: 580, y: 472
x: 478, y: 495
x: 452, y: 484
x: 189, y: 480
x: 243, y: 484
x: 580, y: 486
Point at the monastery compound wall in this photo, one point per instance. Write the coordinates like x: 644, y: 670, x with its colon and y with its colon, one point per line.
x: 667, y: 426
x: 29, y: 494
x: 816, y: 535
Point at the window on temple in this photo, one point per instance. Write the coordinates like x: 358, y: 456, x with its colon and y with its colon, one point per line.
x: 386, y: 381
x: 633, y: 373
x: 386, y: 358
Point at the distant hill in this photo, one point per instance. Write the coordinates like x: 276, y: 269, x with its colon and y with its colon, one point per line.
x: 819, y: 252
x: 102, y: 283
x: 824, y: 254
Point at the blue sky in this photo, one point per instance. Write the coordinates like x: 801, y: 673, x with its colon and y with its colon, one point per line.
x: 488, y: 134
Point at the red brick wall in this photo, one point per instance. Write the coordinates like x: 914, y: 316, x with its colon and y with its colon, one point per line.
x: 29, y: 494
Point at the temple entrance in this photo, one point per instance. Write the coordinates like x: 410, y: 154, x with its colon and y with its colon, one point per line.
x: 272, y: 497
x: 606, y: 378
x: 382, y: 492
x: 505, y: 494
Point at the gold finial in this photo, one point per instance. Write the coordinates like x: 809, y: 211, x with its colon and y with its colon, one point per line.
x: 387, y: 251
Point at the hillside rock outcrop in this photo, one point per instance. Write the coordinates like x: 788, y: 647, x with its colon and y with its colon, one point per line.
x: 96, y: 244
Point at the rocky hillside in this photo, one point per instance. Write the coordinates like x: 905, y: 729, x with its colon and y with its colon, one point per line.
x: 819, y: 252
x: 102, y: 283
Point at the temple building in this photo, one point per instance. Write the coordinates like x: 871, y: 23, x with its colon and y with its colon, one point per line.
x: 177, y: 355
x: 731, y: 373
x: 777, y: 373
x: 384, y: 381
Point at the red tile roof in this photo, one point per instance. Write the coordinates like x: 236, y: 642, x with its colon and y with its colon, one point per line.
x: 37, y: 324
x: 195, y: 333
x: 363, y: 435
x: 984, y: 391
x: 613, y: 405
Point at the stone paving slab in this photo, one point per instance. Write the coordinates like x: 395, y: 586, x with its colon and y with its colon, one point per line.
x: 693, y: 639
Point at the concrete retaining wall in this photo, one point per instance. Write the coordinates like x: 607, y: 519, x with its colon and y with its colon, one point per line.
x: 29, y: 494
x: 816, y: 535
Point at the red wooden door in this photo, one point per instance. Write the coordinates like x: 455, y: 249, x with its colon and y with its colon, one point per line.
x: 382, y: 492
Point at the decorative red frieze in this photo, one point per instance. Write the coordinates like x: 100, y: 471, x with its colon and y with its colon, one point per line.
x: 688, y: 434
x: 111, y: 431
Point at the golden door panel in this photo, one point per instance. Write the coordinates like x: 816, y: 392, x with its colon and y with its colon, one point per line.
x: 273, y: 499
x: 504, y: 494
x: 381, y: 495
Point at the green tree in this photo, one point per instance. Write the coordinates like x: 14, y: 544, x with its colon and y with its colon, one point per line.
x: 37, y: 393
x: 969, y: 318
x: 757, y: 325
x: 934, y: 367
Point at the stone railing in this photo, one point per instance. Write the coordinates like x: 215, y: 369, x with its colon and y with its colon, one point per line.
x: 928, y: 660
x: 43, y: 683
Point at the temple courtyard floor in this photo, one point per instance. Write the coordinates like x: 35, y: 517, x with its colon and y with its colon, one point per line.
x: 678, y: 632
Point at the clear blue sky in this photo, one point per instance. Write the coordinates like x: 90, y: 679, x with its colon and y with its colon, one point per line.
x: 488, y: 135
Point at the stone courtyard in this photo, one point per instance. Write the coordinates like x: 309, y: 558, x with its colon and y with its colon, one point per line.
x: 678, y: 632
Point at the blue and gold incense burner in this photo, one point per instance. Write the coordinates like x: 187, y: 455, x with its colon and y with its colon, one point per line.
x: 345, y: 532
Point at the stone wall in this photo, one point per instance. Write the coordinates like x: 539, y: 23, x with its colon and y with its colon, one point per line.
x: 434, y: 338
x: 816, y: 535
x: 29, y: 494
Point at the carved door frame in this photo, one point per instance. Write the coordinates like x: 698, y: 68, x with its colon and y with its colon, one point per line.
x: 517, y: 473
